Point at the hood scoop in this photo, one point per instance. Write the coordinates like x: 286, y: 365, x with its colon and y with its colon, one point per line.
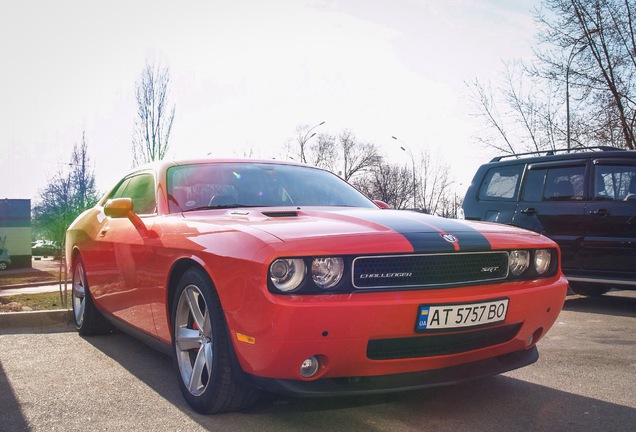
x: 277, y: 214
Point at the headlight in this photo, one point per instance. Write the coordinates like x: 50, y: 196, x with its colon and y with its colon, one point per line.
x: 327, y: 272
x: 287, y: 274
x: 542, y: 260
x: 518, y: 261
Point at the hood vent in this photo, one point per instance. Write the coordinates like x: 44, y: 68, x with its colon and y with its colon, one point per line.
x: 275, y: 214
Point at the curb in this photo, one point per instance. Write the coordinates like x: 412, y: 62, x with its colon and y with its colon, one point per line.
x: 32, y: 284
x: 35, y: 318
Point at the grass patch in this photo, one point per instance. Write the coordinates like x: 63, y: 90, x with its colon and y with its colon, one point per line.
x: 39, y: 301
x: 30, y: 277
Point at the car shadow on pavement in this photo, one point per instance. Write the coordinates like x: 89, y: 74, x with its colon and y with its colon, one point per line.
x: 616, y: 303
x: 500, y: 403
x: 11, y: 416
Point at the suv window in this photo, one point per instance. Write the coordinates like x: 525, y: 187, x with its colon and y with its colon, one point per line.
x: 564, y: 184
x: 501, y: 183
x: 615, y: 182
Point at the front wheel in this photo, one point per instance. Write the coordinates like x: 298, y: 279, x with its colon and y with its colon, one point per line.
x: 88, y: 320
x: 209, y: 378
x: 589, y: 289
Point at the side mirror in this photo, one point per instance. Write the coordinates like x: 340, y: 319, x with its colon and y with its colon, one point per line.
x: 381, y: 204
x: 122, y: 208
x: 118, y: 208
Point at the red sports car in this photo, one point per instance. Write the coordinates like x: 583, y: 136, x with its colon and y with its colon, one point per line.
x: 264, y: 275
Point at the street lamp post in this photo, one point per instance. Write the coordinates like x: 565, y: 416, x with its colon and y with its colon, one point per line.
x: 567, y: 91
x: 405, y: 149
x: 573, y: 53
x: 304, y: 139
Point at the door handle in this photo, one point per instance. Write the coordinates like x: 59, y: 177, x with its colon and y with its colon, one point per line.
x: 529, y: 211
x: 600, y: 212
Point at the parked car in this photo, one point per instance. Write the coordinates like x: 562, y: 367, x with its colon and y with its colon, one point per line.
x: 5, y: 259
x: 585, y: 200
x: 263, y: 275
x: 46, y: 248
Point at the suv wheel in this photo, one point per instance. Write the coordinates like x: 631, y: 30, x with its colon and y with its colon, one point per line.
x: 589, y: 289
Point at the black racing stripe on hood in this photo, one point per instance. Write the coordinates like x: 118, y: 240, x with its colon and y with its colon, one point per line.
x: 425, y: 233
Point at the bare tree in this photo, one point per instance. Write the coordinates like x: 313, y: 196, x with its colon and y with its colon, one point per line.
x: 300, y: 148
x: 71, y: 191
x: 521, y: 116
x: 580, y: 92
x: 484, y: 100
x: 590, y: 48
x: 343, y: 154
x: 389, y: 183
x: 357, y: 157
x: 434, y: 196
x: 322, y: 152
x: 151, y: 138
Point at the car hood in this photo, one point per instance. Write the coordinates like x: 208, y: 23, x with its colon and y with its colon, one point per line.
x: 398, y: 229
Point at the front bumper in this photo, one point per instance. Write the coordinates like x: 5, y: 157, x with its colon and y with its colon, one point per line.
x: 352, y: 386
x: 372, y: 336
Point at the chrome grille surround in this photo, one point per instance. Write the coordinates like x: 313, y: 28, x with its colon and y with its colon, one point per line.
x: 428, y: 270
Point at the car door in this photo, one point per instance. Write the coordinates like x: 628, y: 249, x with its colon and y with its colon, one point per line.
x: 553, y: 203
x: 125, y: 252
x: 610, y: 229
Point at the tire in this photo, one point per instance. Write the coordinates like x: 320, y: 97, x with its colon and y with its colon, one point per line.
x: 3, y: 265
x: 589, y: 289
x: 88, y: 320
x: 209, y: 376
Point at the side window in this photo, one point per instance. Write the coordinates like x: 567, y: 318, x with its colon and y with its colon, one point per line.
x: 119, y: 191
x: 141, y: 189
x: 501, y: 183
x: 615, y: 182
x: 565, y: 183
x: 534, y: 181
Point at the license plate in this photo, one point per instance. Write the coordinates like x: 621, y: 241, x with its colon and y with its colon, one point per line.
x: 460, y: 315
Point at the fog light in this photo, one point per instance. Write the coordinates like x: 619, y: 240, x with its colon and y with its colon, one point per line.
x: 535, y: 337
x: 530, y: 340
x: 309, y: 367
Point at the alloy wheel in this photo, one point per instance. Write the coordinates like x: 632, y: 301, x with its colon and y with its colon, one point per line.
x: 193, y: 340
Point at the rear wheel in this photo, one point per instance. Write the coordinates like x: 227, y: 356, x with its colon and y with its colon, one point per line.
x: 88, y: 320
x: 589, y: 289
x: 209, y: 377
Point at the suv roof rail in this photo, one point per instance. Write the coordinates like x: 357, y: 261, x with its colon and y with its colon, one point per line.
x: 555, y: 151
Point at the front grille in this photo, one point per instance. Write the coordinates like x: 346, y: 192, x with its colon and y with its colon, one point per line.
x: 439, y: 344
x: 429, y: 270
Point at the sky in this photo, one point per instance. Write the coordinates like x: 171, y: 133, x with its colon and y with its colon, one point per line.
x: 244, y: 74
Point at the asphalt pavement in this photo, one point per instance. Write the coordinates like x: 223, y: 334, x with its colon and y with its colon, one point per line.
x: 53, y: 379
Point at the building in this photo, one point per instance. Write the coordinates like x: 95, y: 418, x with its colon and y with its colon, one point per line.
x: 15, y: 230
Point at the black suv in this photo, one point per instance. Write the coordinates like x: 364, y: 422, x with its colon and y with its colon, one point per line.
x: 584, y: 199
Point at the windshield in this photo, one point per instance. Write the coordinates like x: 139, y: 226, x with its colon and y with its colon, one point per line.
x: 229, y: 185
